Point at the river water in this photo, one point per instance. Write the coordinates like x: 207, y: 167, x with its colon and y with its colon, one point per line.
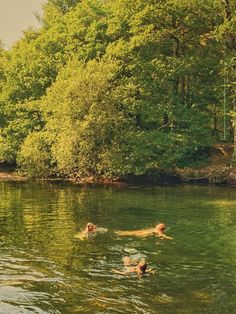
x: 44, y: 268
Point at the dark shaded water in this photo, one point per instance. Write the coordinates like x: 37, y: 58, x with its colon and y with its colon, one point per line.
x: 44, y: 269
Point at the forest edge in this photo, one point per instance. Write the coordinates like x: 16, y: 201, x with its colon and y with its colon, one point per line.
x: 218, y: 170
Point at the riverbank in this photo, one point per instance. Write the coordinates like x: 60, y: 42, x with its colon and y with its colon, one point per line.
x: 6, y: 175
x: 217, y: 170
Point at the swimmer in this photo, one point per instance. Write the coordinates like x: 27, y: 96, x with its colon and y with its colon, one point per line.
x: 89, y: 229
x: 140, y: 269
x: 158, y: 231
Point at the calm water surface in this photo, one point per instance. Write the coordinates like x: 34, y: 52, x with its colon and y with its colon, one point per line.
x: 45, y: 269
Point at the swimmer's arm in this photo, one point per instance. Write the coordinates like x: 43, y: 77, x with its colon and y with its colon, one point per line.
x: 168, y: 238
x: 132, y: 270
x: 163, y: 236
x: 121, y: 272
x: 150, y: 270
x: 118, y: 272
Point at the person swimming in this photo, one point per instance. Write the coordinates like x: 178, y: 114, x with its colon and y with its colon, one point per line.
x: 158, y: 231
x: 140, y: 268
x: 89, y: 230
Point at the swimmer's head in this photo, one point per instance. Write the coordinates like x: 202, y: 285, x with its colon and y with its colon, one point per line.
x: 142, y: 266
x: 90, y: 227
x: 127, y: 261
x: 161, y: 227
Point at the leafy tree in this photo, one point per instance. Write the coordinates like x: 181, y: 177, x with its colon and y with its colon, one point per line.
x: 110, y: 88
x: 84, y: 116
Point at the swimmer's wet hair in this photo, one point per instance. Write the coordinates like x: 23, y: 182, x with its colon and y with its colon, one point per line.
x: 161, y: 226
x: 89, y: 224
x: 142, y: 266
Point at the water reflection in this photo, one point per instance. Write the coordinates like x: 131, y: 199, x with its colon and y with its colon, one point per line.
x: 45, y: 269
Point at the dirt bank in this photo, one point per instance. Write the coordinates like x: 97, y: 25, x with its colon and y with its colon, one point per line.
x: 10, y: 176
x: 218, y: 169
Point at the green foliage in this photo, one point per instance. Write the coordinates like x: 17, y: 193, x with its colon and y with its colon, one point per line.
x: 18, y: 122
x: 84, y: 116
x: 109, y: 88
x: 34, y: 157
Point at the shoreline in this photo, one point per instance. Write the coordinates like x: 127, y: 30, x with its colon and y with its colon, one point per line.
x: 6, y: 176
x: 221, y: 176
x: 218, y: 170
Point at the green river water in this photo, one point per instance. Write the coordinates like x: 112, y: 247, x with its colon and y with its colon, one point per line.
x: 45, y: 269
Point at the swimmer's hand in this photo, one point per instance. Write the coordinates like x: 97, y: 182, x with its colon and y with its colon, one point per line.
x: 163, y: 236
